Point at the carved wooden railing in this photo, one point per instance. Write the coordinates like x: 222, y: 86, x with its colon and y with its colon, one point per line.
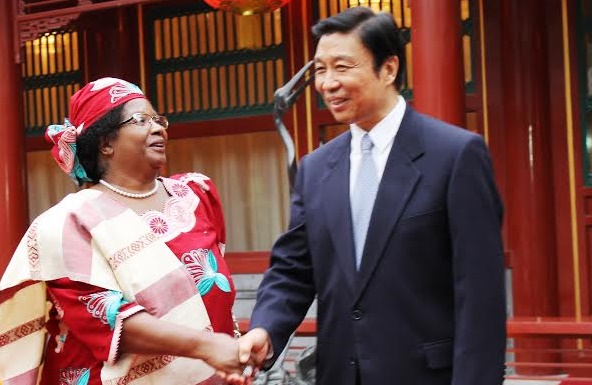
x: 554, y: 350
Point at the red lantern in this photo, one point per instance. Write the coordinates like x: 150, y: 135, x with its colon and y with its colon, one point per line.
x: 247, y: 7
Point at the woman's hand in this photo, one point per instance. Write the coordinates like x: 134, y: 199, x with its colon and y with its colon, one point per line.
x: 220, y: 351
x: 223, y: 355
x: 145, y: 334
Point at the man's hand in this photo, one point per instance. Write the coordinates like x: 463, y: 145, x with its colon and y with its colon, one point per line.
x: 255, y: 347
x: 222, y: 353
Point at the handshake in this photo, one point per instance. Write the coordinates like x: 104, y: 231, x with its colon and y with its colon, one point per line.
x: 238, y: 363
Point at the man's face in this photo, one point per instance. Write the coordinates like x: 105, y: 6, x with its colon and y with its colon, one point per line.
x: 346, y: 79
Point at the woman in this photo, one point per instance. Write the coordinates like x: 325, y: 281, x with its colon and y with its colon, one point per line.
x: 133, y: 266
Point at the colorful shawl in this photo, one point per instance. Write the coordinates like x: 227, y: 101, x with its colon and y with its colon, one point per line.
x: 88, y: 239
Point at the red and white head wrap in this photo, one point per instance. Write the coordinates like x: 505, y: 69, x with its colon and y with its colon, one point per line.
x: 87, y: 105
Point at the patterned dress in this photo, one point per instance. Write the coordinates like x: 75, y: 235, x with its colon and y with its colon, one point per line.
x: 82, y: 327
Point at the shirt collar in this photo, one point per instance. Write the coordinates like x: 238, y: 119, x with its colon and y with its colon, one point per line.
x: 384, y: 132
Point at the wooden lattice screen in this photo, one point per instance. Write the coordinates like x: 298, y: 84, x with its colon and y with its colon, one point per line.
x: 206, y: 65
x: 50, y: 70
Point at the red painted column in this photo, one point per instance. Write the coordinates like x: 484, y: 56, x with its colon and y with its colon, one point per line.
x: 528, y: 148
x: 13, y: 191
x: 438, y: 80
x: 527, y: 100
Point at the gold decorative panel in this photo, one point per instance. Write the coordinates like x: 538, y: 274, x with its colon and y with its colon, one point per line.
x: 210, y: 64
x: 50, y: 71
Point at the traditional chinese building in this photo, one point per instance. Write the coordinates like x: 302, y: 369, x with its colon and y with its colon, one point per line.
x: 517, y: 72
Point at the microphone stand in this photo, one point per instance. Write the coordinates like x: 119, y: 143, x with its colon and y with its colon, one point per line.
x: 284, y: 97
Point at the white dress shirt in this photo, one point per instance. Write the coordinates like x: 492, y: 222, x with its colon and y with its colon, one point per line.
x: 383, y: 137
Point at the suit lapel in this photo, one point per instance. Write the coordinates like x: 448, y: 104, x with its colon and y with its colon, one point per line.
x: 335, y: 190
x: 396, y: 187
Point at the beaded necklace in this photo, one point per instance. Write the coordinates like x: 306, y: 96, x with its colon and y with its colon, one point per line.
x: 119, y: 191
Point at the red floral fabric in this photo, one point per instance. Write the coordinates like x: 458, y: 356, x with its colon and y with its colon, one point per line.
x: 81, y: 338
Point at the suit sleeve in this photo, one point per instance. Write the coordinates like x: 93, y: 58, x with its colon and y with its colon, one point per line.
x: 475, y: 217
x: 287, y: 289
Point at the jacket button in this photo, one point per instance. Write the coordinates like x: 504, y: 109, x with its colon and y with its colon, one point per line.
x: 357, y: 315
x: 353, y: 362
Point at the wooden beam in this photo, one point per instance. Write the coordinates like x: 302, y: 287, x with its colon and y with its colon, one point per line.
x: 79, y: 9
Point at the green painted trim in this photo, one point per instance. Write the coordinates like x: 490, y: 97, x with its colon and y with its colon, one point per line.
x: 58, y: 79
x: 407, y: 94
x: 467, y: 27
x: 219, y: 59
x: 186, y: 9
x: 35, y: 132
x: 196, y: 116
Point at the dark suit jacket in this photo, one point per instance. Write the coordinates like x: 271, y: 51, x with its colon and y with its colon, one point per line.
x: 427, y: 306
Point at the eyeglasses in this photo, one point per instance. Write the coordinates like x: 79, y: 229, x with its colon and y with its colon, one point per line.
x: 143, y: 119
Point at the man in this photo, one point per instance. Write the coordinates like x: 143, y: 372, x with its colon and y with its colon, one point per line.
x: 410, y: 290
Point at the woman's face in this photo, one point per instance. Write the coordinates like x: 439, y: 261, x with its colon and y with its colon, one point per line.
x: 140, y: 144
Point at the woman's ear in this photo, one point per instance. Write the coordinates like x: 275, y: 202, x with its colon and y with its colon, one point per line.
x: 105, y: 146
